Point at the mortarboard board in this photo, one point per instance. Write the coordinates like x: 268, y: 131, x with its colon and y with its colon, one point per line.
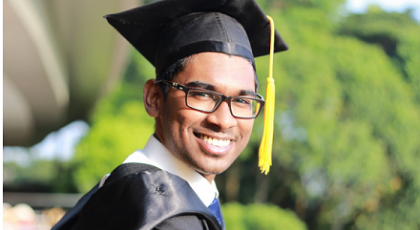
x: 165, y: 31
x: 168, y: 30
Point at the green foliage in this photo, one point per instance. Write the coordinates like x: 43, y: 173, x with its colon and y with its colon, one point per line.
x: 397, y: 34
x: 324, y: 5
x: 259, y: 216
x: 119, y: 126
x: 346, y: 139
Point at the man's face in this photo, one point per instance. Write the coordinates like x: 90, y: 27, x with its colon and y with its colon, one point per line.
x: 185, y: 132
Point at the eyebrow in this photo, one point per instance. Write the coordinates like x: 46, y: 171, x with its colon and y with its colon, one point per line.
x: 207, y: 86
x: 247, y: 93
x: 201, y: 85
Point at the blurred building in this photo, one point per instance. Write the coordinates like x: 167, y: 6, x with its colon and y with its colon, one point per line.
x: 59, y: 57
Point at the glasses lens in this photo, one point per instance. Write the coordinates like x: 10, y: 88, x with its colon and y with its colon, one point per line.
x: 245, y: 107
x: 202, y: 100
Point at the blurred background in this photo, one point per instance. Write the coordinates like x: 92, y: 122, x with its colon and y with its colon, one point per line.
x: 347, y: 129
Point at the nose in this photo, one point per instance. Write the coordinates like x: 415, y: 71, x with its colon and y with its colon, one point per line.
x: 222, y: 117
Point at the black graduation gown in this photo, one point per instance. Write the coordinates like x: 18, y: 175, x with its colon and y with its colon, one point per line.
x: 140, y: 196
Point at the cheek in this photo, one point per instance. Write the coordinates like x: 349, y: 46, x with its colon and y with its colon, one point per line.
x: 170, y: 121
x: 188, y: 118
x: 246, y: 126
x: 246, y: 129
x: 170, y: 110
x: 182, y: 119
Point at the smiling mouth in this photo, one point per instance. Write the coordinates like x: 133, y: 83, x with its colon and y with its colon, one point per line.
x: 215, y: 141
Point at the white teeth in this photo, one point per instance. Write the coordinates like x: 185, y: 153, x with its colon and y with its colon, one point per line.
x: 215, y: 142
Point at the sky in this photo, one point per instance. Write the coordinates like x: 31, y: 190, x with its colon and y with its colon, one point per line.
x: 360, y: 6
x: 60, y: 145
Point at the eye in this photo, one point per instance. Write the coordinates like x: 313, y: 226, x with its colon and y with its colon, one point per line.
x: 242, y: 101
x: 202, y: 95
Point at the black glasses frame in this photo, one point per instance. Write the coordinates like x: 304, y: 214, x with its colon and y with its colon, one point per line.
x: 223, y: 98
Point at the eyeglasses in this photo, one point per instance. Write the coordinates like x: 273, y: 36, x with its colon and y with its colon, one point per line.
x: 208, y: 101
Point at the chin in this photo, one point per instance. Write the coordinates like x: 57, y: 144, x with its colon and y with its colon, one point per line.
x: 217, y: 169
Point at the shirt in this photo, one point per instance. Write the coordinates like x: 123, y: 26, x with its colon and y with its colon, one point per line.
x: 154, y: 153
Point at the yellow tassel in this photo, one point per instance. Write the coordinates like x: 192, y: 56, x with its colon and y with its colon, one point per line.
x: 266, y: 145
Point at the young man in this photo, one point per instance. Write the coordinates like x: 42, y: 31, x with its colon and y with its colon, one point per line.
x: 204, y: 101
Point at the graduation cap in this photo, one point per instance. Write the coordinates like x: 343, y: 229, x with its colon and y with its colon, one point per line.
x: 166, y: 31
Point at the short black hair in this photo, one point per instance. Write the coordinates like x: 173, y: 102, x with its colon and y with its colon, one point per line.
x: 178, y: 66
x: 171, y: 72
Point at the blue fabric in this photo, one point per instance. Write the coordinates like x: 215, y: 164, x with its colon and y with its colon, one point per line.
x: 215, y: 209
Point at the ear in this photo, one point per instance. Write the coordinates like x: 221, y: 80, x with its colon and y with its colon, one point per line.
x: 153, y: 98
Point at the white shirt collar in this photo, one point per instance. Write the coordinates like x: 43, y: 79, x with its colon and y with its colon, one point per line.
x: 154, y: 153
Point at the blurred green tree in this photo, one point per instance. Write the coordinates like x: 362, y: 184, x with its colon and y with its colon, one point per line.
x: 397, y: 34
x: 347, y: 124
x: 259, y: 216
x: 119, y: 126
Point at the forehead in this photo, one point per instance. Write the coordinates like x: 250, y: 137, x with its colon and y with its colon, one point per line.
x: 224, y: 72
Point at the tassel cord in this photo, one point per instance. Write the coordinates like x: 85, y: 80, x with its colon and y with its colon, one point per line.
x: 265, y: 151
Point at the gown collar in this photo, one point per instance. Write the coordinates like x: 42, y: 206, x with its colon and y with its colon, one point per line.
x: 154, y: 153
